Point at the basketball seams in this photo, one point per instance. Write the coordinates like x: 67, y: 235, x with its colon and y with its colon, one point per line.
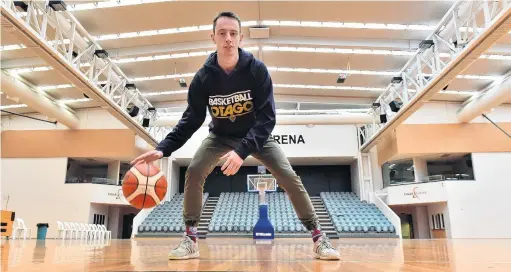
x: 143, y: 191
x: 152, y: 180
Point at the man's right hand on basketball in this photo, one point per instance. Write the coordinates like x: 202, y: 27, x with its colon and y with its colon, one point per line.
x: 148, y: 157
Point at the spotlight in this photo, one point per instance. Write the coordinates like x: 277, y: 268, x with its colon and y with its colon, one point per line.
x: 21, y: 6
x: 383, y: 118
x: 396, y: 79
x: 426, y: 44
x: 395, y: 106
x: 133, y: 111
x: 151, y: 109
x: 182, y: 83
x: 57, y: 5
x: 101, y: 53
x: 376, y: 105
x: 342, y: 77
x: 130, y: 86
x: 145, y: 122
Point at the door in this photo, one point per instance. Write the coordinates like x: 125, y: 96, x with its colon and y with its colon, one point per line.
x: 407, y: 226
x: 127, y: 225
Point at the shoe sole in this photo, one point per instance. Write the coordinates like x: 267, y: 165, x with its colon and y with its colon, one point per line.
x: 326, y: 258
x: 187, y: 257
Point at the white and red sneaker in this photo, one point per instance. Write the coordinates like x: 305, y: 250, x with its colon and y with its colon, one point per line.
x: 187, y: 249
x: 324, y: 250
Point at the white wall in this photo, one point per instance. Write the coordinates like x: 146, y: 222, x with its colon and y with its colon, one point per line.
x: 319, y: 141
x: 174, y: 179
x: 37, y: 192
x: 421, y: 223
x: 445, y: 112
x: 355, y: 180
x: 480, y: 208
x: 89, y: 119
x: 376, y: 169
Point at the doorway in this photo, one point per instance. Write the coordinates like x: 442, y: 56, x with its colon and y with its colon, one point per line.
x: 127, y: 225
x: 407, y: 226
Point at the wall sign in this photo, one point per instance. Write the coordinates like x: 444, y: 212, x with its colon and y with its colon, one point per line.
x: 297, y: 141
x: 417, y: 193
x: 288, y: 139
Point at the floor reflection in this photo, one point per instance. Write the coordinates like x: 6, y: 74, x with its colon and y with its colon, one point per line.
x: 244, y: 255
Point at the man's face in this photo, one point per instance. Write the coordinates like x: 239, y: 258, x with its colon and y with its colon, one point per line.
x: 227, y: 36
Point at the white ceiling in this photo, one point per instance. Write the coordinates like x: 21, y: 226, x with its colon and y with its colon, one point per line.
x: 177, y: 14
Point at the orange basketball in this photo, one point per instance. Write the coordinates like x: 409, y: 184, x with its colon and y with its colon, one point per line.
x: 144, y: 186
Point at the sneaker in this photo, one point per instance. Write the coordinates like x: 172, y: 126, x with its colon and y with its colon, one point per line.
x: 187, y: 249
x: 324, y: 250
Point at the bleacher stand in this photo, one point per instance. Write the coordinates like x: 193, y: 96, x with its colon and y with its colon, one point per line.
x: 352, y: 216
x: 166, y: 218
x: 235, y: 213
x: 282, y: 214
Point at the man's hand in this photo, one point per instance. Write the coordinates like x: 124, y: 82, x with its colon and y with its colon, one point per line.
x: 232, y: 164
x: 148, y: 157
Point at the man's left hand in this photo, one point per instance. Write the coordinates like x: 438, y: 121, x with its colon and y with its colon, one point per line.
x: 232, y: 164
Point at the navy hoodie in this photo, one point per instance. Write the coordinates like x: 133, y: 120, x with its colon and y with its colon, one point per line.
x: 241, y: 105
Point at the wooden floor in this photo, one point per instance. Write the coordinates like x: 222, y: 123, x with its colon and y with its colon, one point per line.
x: 241, y: 254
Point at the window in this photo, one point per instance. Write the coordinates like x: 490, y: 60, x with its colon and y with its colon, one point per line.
x: 99, y: 219
x: 396, y: 173
x: 437, y: 221
x: 451, y: 167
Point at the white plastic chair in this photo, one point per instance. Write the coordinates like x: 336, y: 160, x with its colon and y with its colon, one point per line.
x: 101, y: 232
x: 61, y: 230
x: 19, y: 228
x: 84, y: 231
x: 70, y: 229
x: 108, y: 233
x: 94, y: 231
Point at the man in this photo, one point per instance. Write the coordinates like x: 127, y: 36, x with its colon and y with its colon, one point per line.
x: 238, y: 91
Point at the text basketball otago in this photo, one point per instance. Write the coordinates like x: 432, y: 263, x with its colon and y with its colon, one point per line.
x: 230, y: 106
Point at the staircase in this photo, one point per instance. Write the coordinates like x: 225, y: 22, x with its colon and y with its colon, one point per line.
x: 207, y: 213
x: 327, y: 226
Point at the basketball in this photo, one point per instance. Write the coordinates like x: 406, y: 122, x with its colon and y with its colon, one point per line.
x: 144, y: 186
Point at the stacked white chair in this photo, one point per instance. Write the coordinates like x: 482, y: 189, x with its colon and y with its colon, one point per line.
x: 19, y: 228
x: 82, y: 231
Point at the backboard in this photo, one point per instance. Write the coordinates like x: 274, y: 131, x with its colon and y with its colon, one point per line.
x: 265, y: 182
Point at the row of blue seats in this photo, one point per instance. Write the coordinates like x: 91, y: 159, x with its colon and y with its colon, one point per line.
x: 238, y: 212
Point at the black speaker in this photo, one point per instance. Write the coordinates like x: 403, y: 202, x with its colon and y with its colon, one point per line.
x: 383, y: 118
x: 133, y: 111
x: 145, y: 122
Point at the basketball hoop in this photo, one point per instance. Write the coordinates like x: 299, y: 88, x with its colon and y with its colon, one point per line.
x: 261, y: 183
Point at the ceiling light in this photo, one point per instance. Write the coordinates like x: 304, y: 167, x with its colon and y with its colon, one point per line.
x: 332, y: 71
x: 322, y: 87
x: 54, y: 87
x: 15, y: 106
x: 112, y: 3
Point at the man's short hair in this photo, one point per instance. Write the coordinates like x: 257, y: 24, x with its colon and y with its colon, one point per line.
x: 228, y: 14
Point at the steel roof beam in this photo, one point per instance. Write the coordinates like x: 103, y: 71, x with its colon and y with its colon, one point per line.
x: 469, y: 46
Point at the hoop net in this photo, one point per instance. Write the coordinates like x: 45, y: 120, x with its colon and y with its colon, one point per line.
x: 261, y: 184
